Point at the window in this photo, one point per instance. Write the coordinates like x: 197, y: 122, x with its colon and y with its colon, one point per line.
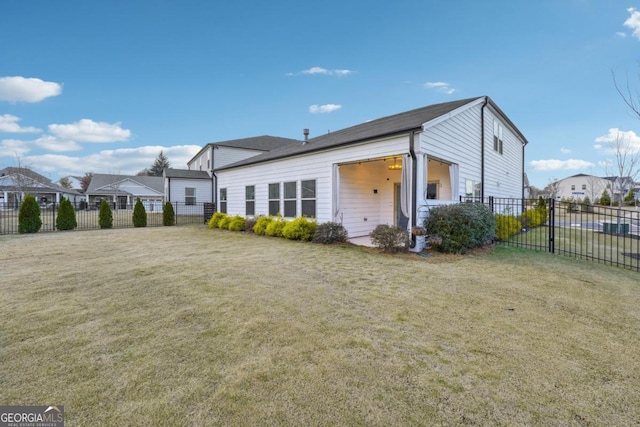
x: 274, y: 199
x: 432, y: 190
x: 308, y: 198
x: 223, y: 200
x: 290, y: 199
x: 573, y: 187
x: 189, y: 196
x: 250, y: 200
x: 497, y: 136
x: 472, y: 190
x: 584, y: 186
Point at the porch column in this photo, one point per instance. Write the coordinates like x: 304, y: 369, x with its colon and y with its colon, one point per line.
x: 336, y: 192
x: 421, y: 187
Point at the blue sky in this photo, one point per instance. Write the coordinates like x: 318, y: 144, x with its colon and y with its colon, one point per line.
x: 103, y: 86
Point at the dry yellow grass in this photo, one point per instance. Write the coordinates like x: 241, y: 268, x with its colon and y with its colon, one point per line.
x: 190, y: 326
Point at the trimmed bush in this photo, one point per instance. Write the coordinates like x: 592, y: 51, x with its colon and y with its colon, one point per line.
x: 330, y: 232
x: 66, y: 219
x: 260, y: 227
x: 105, y: 216
x: 507, y: 226
x: 389, y: 238
x: 462, y: 226
x: 274, y: 228
x: 29, y: 216
x: 168, y: 214
x: 139, y: 214
x: 299, y: 229
x: 215, y: 219
x: 236, y: 223
x: 223, y: 224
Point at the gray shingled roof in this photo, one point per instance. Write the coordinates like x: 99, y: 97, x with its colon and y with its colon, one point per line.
x: 258, y: 143
x: 385, y: 126
x: 186, y: 174
x: 100, y: 180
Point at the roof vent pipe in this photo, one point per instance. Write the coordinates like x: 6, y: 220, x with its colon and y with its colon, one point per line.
x: 306, y: 135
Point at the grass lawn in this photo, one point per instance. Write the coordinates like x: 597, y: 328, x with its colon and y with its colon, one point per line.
x: 189, y: 326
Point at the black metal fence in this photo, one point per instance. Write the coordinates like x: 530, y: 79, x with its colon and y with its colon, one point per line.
x: 604, y: 234
x: 87, y: 218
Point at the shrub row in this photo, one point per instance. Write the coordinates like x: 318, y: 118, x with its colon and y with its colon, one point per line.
x: 299, y: 228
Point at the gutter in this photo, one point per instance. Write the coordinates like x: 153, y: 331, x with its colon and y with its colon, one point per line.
x: 482, y: 147
x: 169, y: 192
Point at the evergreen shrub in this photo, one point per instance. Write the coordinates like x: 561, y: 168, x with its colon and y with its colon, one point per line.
x: 260, y: 227
x: 66, y: 219
x: 215, y: 219
x: 105, y: 216
x: 507, y: 226
x: 389, y: 238
x: 462, y: 226
x: 29, y: 216
x: 236, y: 223
x: 139, y: 214
x: 223, y: 224
x: 299, y: 229
x: 168, y: 214
x: 274, y: 228
x: 330, y: 232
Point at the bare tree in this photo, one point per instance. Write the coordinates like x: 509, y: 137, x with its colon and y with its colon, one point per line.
x: 629, y: 96
x: 86, y: 180
x: 552, y: 188
x: 65, y: 182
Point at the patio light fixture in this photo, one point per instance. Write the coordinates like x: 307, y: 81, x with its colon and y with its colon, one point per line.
x: 395, y: 166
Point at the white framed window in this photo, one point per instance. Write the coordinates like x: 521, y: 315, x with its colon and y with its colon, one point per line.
x: 250, y: 200
x: 189, y: 196
x: 433, y: 188
x: 472, y: 190
x: 497, y: 136
x: 274, y: 199
x: 290, y: 196
x: 223, y: 200
x: 308, y: 198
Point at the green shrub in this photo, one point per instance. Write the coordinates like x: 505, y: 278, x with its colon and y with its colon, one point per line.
x: 462, y: 226
x: 586, y: 205
x: 139, y: 214
x: 168, y: 214
x: 330, y: 232
x: 533, y: 217
x: 299, y: 229
x: 389, y: 238
x: 66, y: 219
x: 274, y: 228
x: 223, y: 224
x: 605, y: 199
x: 507, y: 226
x: 260, y: 227
x: 236, y: 223
x: 105, y: 216
x: 29, y: 216
x: 630, y: 199
x: 215, y: 219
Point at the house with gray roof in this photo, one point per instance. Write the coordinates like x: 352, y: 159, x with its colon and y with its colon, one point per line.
x: 385, y: 171
x: 121, y: 191
x: 16, y: 182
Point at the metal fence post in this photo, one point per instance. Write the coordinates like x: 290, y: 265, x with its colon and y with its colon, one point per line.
x: 552, y: 225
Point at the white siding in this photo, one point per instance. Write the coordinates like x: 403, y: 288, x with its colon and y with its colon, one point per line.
x: 178, y: 185
x: 319, y: 166
x: 223, y: 156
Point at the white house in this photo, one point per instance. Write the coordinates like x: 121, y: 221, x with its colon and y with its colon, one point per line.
x: 15, y: 183
x: 385, y: 171
x: 188, y: 188
x: 123, y: 190
x: 577, y: 187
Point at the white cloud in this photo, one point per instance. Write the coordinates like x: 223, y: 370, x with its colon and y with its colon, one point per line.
x: 21, y: 89
x: 323, y: 71
x: 564, y: 150
x: 9, y: 123
x: 87, y: 130
x: 556, y: 165
x: 52, y: 143
x: 621, y: 34
x: 633, y: 21
x: 14, y: 148
x: 440, y: 87
x: 326, y: 108
x: 628, y: 140
x: 126, y: 161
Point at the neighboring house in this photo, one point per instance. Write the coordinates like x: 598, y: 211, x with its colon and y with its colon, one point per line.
x: 187, y: 188
x: 75, y: 181
x: 385, y: 171
x: 15, y: 183
x: 121, y: 191
x: 215, y: 155
x: 577, y: 187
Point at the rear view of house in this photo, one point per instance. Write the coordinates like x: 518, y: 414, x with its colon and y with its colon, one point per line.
x: 385, y: 171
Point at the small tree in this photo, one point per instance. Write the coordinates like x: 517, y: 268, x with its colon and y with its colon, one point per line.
x: 159, y: 165
x: 105, y: 216
x: 630, y: 198
x: 168, y: 214
x: 29, y: 216
x: 139, y: 214
x: 605, y: 199
x: 66, y: 219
